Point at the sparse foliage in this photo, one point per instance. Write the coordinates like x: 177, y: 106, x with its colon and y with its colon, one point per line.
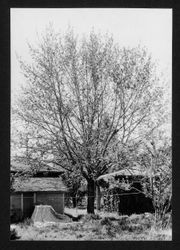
x: 82, y: 96
x: 74, y: 181
x: 158, y: 159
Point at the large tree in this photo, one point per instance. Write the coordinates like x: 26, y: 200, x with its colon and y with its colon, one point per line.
x: 81, y: 96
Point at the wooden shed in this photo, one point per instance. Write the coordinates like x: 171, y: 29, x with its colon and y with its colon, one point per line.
x: 42, y: 170
x: 36, y: 191
x: 130, y: 200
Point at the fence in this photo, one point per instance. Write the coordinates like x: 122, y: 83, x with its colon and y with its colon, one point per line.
x: 108, y: 201
x: 125, y: 203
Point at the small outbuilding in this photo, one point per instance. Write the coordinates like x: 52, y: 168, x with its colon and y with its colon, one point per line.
x: 131, y: 200
x: 42, y: 170
x: 28, y: 192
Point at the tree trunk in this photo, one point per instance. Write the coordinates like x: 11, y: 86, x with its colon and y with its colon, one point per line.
x: 98, y: 199
x: 91, y: 196
x: 74, y: 202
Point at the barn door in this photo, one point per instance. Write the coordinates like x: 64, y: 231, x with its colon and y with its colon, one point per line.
x: 28, y: 204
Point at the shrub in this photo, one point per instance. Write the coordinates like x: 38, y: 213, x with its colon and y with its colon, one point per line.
x: 164, y: 222
x: 136, y: 223
x: 106, y: 221
x: 15, y: 215
x: 167, y: 222
x: 89, y: 217
x: 124, y: 220
x: 26, y: 223
x: 13, y: 234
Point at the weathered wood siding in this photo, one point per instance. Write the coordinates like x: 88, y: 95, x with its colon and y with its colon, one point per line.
x: 22, y: 204
x: 15, y: 201
x: 28, y: 204
x: 131, y: 203
x: 56, y: 200
x: 135, y: 204
x: 15, y: 207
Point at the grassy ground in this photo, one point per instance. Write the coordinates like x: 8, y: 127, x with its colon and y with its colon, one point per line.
x: 103, y: 226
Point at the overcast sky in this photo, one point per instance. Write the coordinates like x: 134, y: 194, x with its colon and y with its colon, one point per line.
x: 130, y: 27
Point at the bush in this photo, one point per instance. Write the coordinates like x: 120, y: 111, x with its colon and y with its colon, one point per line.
x: 124, y: 223
x: 13, y: 234
x: 89, y: 217
x: 167, y: 220
x: 164, y: 222
x: 111, y: 227
x: 106, y: 221
x: 26, y: 223
x: 136, y: 222
x: 15, y: 215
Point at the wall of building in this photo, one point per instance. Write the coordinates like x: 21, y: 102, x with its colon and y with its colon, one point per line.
x: 15, y: 201
x: 28, y: 204
x: 56, y: 200
x: 135, y: 204
x: 15, y: 207
x: 22, y: 204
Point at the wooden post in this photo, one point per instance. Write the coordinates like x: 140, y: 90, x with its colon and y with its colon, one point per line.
x: 98, y: 199
x: 22, y: 204
x: 76, y: 204
x: 10, y: 201
x: 152, y: 177
x: 34, y: 200
x: 63, y: 201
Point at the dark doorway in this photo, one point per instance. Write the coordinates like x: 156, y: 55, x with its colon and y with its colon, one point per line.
x: 28, y: 204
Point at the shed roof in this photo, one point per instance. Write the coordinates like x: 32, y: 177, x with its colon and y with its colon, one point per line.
x: 38, y: 184
x: 125, y: 172
x: 17, y: 166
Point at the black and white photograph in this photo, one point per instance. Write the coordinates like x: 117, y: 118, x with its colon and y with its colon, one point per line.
x: 91, y: 124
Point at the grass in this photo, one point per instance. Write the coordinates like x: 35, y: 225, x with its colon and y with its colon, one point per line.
x: 104, y: 226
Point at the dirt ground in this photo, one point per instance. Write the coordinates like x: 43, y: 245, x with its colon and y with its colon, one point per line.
x: 103, y: 226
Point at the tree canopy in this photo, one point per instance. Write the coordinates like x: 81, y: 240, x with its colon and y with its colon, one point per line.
x: 83, y: 97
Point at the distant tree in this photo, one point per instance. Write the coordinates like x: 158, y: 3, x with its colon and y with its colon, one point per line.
x: 158, y: 160
x: 81, y: 96
x: 74, y: 181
